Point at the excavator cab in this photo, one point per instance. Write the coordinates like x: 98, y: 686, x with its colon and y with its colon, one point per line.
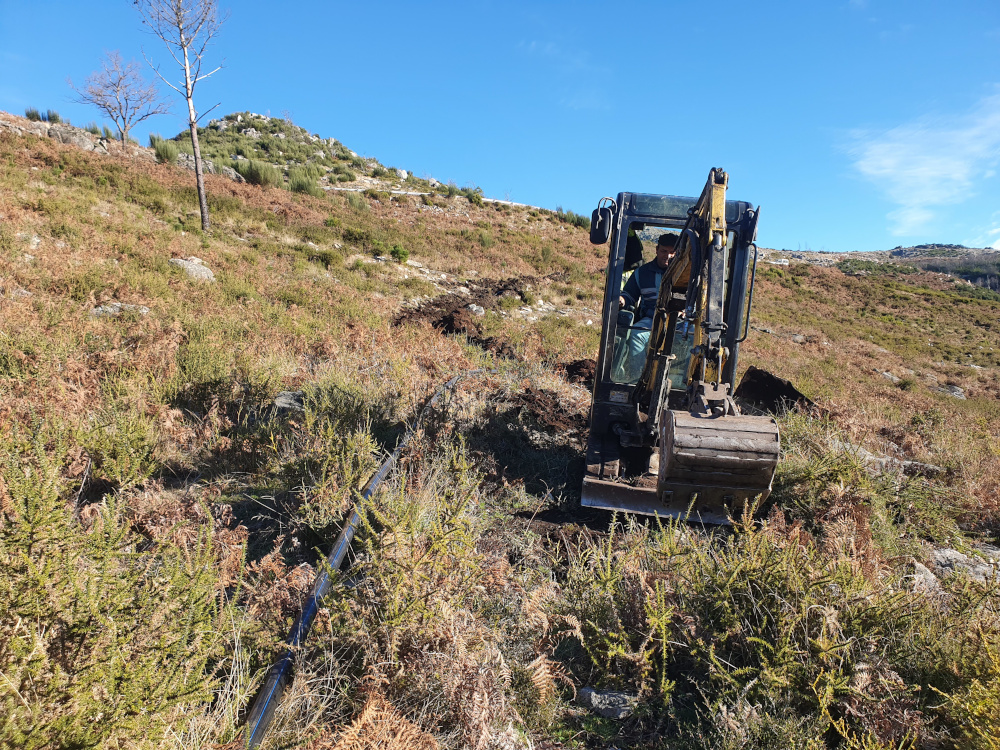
x: 665, y: 436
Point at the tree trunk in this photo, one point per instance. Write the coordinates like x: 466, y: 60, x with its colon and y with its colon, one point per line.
x: 199, y: 175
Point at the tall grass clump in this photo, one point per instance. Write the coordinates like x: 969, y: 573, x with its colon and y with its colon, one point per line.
x: 259, y: 173
x: 356, y: 201
x: 32, y: 113
x: 166, y: 151
x: 92, y: 128
x: 302, y: 180
x: 52, y: 116
x: 107, y: 133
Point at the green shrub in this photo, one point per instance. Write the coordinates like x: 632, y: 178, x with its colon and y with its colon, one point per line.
x: 399, y: 254
x: 356, y: 201
x: 332, y: 221
x: 33, y: 114
x: 107, y: 637
x: 166, y: 151
x: 486, y: 240
x: 52, y: 116
x: 107, y: 133
x: 380, y: 171
x: 92, y: 128
x: 259, y: 173
x: 577, y: 220
x: 381, y: 196
x: 474, y: 195
x: 301, y: 181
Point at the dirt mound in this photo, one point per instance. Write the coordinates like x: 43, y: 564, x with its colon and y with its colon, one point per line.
x: 453, y: 312
x: 766, y: 392
x: 581, y: 371
x: 544, y: 406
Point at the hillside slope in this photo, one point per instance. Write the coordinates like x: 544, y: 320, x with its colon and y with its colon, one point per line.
x: 178, y: 449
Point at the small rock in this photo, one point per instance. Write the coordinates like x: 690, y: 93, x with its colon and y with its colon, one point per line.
x: 955, y: 391
x: 288, y: 402
x: 952, y: 561
x: 476, y: 310
x: 414, y: 263
x: 923, y: 580
x: 608, y: 703
x: 232, y: 174
x: 590, y: 323
x: 890, y: 377
x: 114, y: 309
x: 194, y: 267
x: 402, y: 174
x: 990, y: 552
x: 29, y: 258
x: 798, y: 338
x: 20, y: 293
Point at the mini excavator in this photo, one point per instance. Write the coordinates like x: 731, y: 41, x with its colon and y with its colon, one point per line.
x: 666, y: 437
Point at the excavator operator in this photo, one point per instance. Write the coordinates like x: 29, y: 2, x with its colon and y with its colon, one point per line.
x: 642, y: 289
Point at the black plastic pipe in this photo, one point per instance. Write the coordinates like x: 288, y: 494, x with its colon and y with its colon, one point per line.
x: 267, y: 700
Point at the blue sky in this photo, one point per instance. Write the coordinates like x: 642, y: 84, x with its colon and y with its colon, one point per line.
x: 855, y: 124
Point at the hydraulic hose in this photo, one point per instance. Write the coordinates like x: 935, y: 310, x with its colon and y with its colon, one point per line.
x: 266, y: 704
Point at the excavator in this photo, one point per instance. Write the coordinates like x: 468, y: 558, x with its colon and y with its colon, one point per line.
x: 666, y: 437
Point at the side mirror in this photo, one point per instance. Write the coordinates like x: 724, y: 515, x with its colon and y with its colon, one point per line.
x: 600, y: 225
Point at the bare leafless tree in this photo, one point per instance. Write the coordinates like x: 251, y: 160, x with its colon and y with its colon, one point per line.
x: 120, y: 92
x: 186, y: 27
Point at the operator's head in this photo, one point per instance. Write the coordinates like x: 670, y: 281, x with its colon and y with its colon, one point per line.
x: 665, y: 247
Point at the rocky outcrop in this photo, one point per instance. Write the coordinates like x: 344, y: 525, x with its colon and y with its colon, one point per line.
x: 87, y: 141
x: 194, y: 267
x: 187, y: 161
x: 61, y: 132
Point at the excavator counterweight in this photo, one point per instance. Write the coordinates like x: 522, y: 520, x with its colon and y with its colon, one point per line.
x: 666, y: 437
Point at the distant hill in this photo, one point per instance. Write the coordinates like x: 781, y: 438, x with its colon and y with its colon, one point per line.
x: 977, y: 266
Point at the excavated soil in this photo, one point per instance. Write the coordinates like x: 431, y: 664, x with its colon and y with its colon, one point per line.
x: 545, y: 408
x: 580, y: 371
x: 450, y: 313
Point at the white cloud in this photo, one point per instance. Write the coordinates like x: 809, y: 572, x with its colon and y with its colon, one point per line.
x: 930, y: 162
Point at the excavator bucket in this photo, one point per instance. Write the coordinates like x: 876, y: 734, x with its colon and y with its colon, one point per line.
x: 716, y: 464
x: 706, y: 469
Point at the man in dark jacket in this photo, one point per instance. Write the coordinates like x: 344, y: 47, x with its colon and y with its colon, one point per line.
x: 642, y: 290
